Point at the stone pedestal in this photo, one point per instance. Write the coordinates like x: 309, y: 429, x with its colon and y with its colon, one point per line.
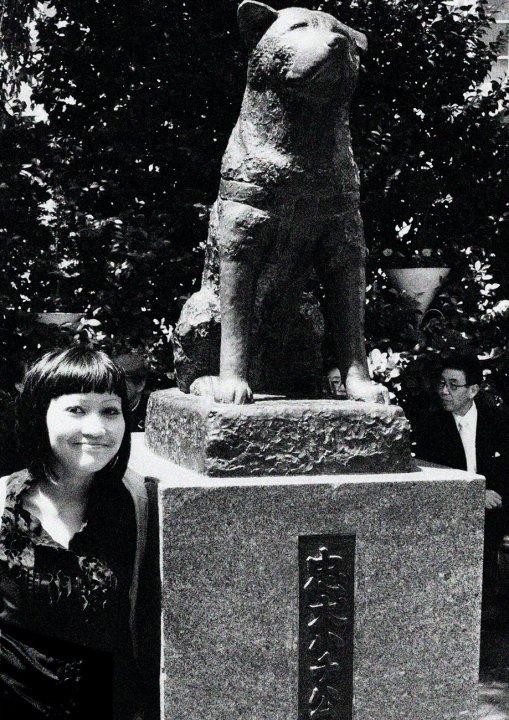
x: 277, y: 436
x: 384, y: 570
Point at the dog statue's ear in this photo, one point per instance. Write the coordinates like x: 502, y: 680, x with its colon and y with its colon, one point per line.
x: 254, y: 19
x: 360, y: 39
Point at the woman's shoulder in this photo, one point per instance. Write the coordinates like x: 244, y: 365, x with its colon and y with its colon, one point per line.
x: 143, y: 491
x: 14, y: 482
x: 15, y: 475
x: 18, y: 478
x: 3, y: 493
x: 138, y: 485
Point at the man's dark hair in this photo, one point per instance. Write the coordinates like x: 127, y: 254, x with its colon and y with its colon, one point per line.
x: 465, y: 361
x: 78, y: 369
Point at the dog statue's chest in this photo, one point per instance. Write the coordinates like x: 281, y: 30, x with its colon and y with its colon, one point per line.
x: 291, y: 159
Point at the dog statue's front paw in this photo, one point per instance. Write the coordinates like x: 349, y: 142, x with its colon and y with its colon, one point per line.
x: 234, y: 391
x: 366, y: 391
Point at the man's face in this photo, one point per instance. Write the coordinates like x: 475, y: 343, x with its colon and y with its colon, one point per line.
x: 135, y: 387
x: 455, y: 394
x: 334, y: 378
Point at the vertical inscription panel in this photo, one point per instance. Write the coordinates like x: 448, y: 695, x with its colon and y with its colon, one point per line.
x: 326, y: 618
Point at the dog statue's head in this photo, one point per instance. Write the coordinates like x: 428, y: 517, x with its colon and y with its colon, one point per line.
x: 306, y: 50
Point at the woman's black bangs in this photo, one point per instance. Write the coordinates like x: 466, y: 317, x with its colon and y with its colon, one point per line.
x: 85, y: 377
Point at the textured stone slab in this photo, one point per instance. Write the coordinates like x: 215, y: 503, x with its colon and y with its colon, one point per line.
x: 275, y: 436
x: 231, y: 590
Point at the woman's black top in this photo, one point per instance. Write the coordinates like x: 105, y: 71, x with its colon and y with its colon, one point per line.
x: 65, y: 645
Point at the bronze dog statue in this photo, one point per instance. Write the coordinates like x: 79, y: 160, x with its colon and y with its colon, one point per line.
x: 288, y: 207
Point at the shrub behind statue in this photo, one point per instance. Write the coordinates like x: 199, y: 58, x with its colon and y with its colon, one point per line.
x: 288, y: 207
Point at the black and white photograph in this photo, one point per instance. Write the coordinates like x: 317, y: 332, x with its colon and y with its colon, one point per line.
x: 254, y: 360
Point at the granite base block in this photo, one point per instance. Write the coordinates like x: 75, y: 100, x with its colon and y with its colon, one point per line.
x: 231, y: 590
x: 276, y: 436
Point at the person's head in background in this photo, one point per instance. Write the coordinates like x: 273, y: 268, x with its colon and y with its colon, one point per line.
x: 459, y: 381
x: 71, y: 415
x: 135, y: 370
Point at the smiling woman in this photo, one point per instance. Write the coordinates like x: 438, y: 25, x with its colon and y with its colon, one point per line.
x: 79, y: 566
x: 85, y: 431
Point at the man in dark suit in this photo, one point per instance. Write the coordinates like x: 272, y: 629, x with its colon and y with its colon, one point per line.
x: 468, y: 434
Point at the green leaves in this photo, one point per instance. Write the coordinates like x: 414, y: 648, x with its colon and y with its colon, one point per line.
x: 141, y: 98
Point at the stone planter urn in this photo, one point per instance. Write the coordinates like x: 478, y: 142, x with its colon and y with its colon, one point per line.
x: 418, y: 284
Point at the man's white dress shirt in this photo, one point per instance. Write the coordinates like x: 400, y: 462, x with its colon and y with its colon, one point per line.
x: 467, y: 426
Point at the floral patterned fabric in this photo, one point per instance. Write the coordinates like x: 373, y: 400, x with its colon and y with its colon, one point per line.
x: 64, y: 612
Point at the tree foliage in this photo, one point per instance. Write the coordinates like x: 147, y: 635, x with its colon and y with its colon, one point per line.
x: 24, y: 241
x: 141, y: 98
x: 139, y: 106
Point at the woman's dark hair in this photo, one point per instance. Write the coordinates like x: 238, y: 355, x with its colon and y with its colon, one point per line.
x: 78, y: 369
